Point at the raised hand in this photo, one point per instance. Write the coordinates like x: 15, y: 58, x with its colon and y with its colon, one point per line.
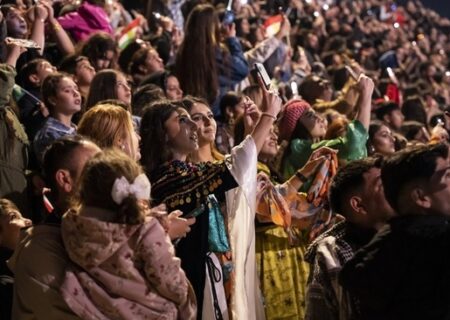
x: 271, y: 101
x: 251, y: 115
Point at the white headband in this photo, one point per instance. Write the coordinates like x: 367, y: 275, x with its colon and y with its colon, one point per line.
x: 140, y: 188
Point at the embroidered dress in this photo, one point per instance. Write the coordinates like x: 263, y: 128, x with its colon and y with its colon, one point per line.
x: 287, y: 219
x: 282, y: 269
x: 185, y: 186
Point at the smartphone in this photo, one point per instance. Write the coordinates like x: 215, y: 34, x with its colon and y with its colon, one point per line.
x: 259, y: 67
x: 23, y: 43
x: 392, y: 75
x: 228, y: 18
x: 196, y: 212
x: 157, y: 15
x: 294, y: 88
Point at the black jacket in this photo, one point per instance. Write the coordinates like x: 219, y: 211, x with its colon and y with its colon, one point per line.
x: 404, y: 272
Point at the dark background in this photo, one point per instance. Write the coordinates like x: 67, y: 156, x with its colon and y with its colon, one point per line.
x: 440, y: 6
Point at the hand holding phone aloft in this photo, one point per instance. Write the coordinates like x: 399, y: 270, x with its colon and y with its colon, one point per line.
x: 261, y: 71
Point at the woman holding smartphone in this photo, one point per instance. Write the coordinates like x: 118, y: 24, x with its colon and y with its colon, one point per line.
x: 183, y: 185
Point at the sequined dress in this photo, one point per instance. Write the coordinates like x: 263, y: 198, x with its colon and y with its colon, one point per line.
x: 185, y: 186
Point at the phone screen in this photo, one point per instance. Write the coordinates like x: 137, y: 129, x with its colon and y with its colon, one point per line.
x: 194, y: 213
x: 263, y: 74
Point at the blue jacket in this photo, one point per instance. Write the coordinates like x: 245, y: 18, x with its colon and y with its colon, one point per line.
x: 232, y: 68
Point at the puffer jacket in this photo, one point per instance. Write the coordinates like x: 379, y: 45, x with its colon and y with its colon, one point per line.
x: 125, y: 271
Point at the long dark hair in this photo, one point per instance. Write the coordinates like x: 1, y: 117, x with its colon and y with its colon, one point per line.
x: 196, y: 67
x: 96, y: 47
x: 153, y: 134
x: 103, y: 87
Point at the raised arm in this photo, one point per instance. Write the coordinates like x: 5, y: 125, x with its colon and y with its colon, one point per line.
x: 60, y: 35
x: 8, y: 72
x: 38, y: 26
x: 271, y: 106
x: 366, y: 86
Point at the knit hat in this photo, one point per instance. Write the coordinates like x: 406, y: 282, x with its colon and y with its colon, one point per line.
x: 293, y: 110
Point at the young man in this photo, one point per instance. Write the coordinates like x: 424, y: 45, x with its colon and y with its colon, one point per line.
x: 357, y: 193
x: 404, y: 272
x: 39, y: 261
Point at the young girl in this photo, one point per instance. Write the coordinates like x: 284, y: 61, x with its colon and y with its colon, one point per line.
x: 100, y: 48
x: 62, y: 98
x: 128, y: 268
x: 11, y: 221
x: 186, y: 186
x: 108, y: 84
x: 231, y: 107
x: 168, y: 82
x: 220, y: 256
x: 304, y: 130
x: 381, y: 140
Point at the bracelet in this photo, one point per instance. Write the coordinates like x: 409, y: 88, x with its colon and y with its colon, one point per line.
x: 56, y: 26
x: 301, y: 176
x: 269, y: 115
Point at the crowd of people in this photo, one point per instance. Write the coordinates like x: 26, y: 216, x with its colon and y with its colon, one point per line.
x: 148, y: 170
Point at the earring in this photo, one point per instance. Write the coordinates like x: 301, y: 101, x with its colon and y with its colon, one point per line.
x: 122, y: 147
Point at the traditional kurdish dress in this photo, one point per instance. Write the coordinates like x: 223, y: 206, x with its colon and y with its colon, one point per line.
x: 185, y: 186
x: 285, y: 221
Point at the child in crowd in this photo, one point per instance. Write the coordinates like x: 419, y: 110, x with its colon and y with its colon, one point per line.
x: 108, y: 84
x: 129, y: 269
x: 62, y: 98
x: 11, y: 221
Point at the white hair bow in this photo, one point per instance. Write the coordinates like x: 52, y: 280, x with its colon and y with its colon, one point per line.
x: 140, y: 188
